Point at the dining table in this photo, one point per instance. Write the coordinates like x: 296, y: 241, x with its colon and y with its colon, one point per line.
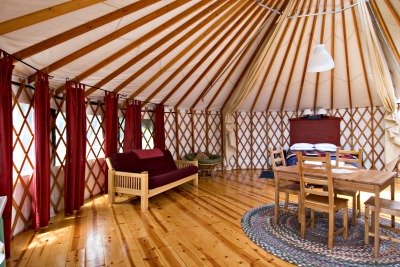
x: 372, y: 181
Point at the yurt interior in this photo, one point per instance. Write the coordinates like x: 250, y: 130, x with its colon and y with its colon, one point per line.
x: 199, y: 132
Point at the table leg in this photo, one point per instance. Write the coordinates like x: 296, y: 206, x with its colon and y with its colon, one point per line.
x: 392, y: 198
x: 276, y: 210
x: 376, y: 221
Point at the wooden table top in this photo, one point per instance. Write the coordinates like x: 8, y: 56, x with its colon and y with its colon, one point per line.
x: 371, y: 177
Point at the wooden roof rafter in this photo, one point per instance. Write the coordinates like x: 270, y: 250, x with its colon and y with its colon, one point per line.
x: 332, y: 82
x: 81, y: 29
x: 189, y: 73
x: 204, y: 16
x: 346, y: 55
x: 44, y: 14
x: 295, y: 59
x: 231, y: 72
x: 271, y: 62
x: 393, y: 11
x: 368, y: 87
x: 303, y: 78
x: 384, y: 28
x: 321, y: 41
x: 109, y: 37
x: 267, y: 35
x: 184, y: 51
x: 228, y: 61
x: 291, y: 42
x: 140, y: 41
x: 220, y: 54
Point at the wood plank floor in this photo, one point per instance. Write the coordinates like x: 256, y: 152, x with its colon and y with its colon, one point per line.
x: 185, y: 226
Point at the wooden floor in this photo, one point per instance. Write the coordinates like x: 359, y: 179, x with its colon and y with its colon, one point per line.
x: 185, y: 226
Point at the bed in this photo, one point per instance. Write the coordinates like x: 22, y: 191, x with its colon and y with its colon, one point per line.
x: 325, y: 130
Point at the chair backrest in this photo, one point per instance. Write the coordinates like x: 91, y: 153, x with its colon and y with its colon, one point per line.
x: 315, y: 171
x: 277, y: 158
x: 349, y: 157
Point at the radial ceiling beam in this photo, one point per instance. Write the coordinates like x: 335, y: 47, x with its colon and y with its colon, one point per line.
x: 333, y: 57
x: 156, y: 45
x: 310, y: 42
x: 294, y: 63
x: 183, y: 52
x: 231, y: 72
x: 346, y: 50
x: 368, y: 87
x: 111, y: 37
x: 321, y: 41
x: 271, y: 63
x: 385, y: 30
x: 393, y: 11
x: 136, y: 43
x: 187, y: 61
x: 81, y: 29
x: 266, y: 36
x: 211, y: 51
x: 44, y: 14
x: 285, y: 57
x: 248, y: 34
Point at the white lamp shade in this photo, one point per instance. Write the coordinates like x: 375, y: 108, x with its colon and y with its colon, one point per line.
x: 320, y: 60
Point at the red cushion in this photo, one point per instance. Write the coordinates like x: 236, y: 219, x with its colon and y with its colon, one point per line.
x: 129, y: 162
x: 172, y: 176
x: 148, y: 153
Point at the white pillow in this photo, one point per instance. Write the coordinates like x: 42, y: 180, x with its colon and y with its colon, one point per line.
x: 325, y: 147
x: 302, y: 146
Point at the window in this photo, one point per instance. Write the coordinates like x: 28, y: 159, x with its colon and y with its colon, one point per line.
x: 147, y: 133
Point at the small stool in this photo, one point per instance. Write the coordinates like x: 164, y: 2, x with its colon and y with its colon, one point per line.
x: 390, y: 207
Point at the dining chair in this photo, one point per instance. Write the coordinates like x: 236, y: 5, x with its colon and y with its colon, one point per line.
x: 390, y: 207
x: 293, y: 188
x: 348, y: 158
x: 321, y: 200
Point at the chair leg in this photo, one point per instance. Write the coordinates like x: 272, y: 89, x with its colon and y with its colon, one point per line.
x: 345, y: 222
x: 286, y: 200
x: 331, y: 230
x: 299, y: 208
x: 366, y: 225
x: 354, y: 211
x: 359, y: 204
x: 312, y: 218
x: 303, y: 223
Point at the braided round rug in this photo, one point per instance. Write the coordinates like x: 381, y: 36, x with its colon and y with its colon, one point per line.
x: 284, y: 240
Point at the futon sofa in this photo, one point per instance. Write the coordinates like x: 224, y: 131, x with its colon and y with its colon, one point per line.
x: 146, y: 173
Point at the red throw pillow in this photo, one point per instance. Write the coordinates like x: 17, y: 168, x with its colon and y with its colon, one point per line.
x: 148, y: 153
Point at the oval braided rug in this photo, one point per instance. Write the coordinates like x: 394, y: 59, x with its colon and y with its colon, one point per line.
x: 284, y: 240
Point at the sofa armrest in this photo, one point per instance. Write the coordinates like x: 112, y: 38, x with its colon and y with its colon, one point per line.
x: 184, y: 163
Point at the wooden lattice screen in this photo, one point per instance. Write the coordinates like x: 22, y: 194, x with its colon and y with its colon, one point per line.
x: 186, y: 131
x: 23, y: 157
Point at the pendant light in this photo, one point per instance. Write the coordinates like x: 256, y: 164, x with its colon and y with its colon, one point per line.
x: 320, y: 60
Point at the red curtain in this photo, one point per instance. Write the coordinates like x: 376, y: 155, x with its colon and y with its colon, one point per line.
x: 6, y: 149
x: 111, y: 124
x: 74, y: 180
x: 133, y: 126
x: 159, y: 132
x: 111, y: 128
x: 40, y: 186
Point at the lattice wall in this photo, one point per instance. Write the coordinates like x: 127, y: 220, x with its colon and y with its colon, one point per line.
x: 360, y: 128
x: 186, y: 131
x: 23, y: 154
x: 95, y: 164
x: 23, y: 157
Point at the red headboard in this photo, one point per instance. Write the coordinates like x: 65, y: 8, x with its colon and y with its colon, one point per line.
x: 325, y: 130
